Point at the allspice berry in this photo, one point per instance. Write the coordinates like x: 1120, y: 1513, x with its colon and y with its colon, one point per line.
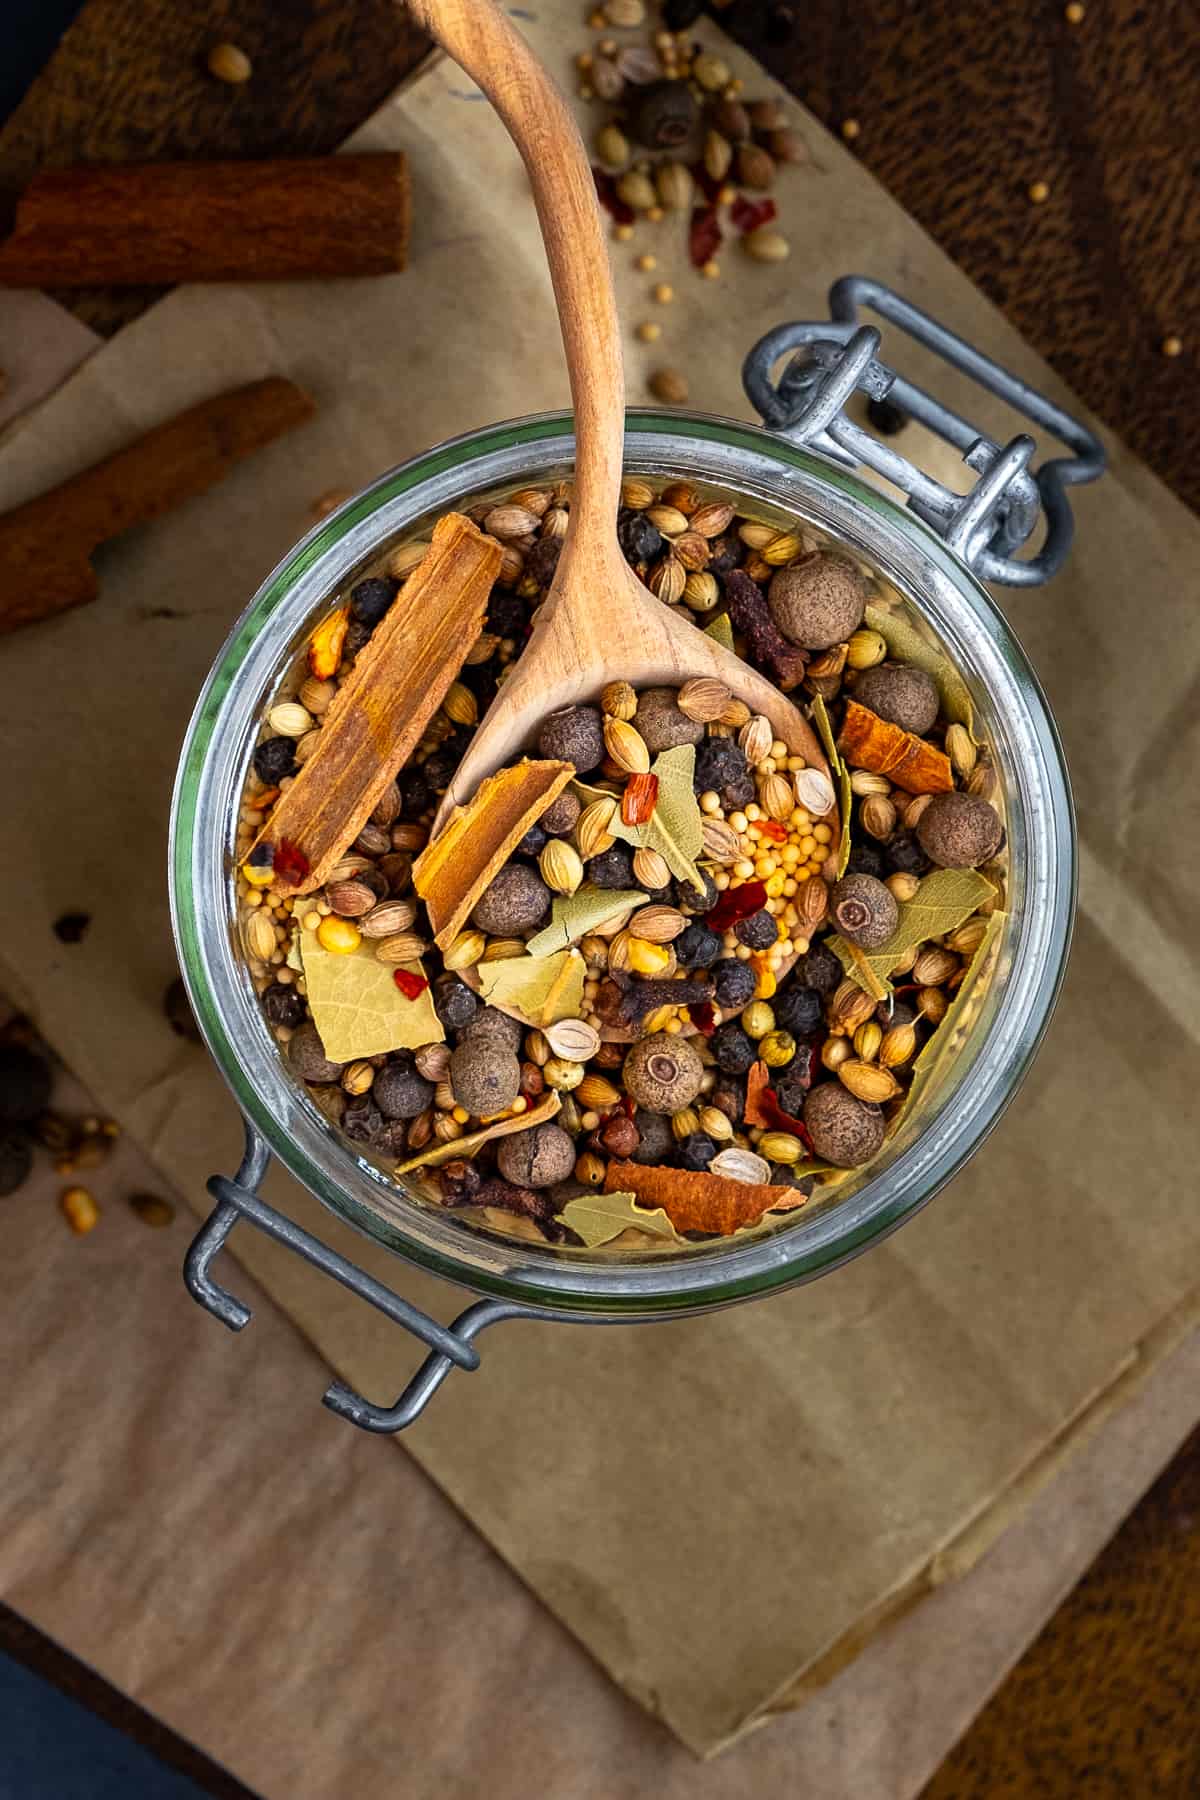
x: 496, y: 1027
x: 663, y: 1073
x: 515, y: 900
x: 574, y: 734
x: 818, y: 601
x: 844, y: 1131
x: 307, y: 1058
x: 562, y: 815
x: 959, y: 831
x: 484, y: 1076
x: 903, y: 695
x: 401, y: 1092
x: 660, y: 724
x: 536, y: 1158
x: 864, y: 910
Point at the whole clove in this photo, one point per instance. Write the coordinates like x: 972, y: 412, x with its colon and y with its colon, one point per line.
x: 751, y: 616
x: 628, y: 999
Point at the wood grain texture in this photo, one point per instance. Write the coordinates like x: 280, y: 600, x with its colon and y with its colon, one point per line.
x: 1105, y: 1705
x: 284, y: 219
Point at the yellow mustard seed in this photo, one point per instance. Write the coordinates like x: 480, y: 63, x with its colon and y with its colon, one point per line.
x: 646, y: 262
x: 851, y: 129
x: 648, y: 331
x: 664, y: 293
x: 1172, y: 345
x: 1038, y: 191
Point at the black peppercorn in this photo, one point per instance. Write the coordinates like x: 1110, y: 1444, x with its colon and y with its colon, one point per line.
x: 729, y: 1097
x: 656, y: 1140
x: 533, y: 843
x: 696, y: 1151
x: 867, y: 859
x: 904, y: 855
x: 362, y: 1119
x: 415, y: 792
x: 275, y: 760
x: 732, y: 1048
x: 541, y: 560
x: 798, y: 1010
x: 613, y: 868
x: 697, y: 947
x: 724, y: 554
x: 664, y: 115
x: 792, y: 1084
x: 734, y: 983
x: 506, y: 614
x: 283, y: 1005
x: 820, y: 969
x: 690, y: 900
x: 640, y: 541
x: 454, y: 1002
x: 758, y: 931
x: 371, y: 599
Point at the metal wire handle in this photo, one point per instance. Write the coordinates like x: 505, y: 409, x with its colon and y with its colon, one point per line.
x: 833, y: 358
x: 451, y: 1346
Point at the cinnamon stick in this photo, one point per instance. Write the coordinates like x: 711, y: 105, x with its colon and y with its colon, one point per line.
x: 398, y: 682
x: 46, y: 545
x: 139, y: 224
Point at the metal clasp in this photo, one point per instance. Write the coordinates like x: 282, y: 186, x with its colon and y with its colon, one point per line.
x: 451, y: 1346
x: 986, y: 526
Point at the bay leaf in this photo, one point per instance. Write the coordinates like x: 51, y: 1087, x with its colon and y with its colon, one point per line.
x: 841, y: 775
x: 357, y: 1008
x: 943, y: 902
x: 572, y: 916
x: 941, y: 1045
x: 538, y: 990
x: 906, y: 644
x: 721, y: 630
x: 293, y: 958
x: 436, y: 1153
x: 598, y: 1218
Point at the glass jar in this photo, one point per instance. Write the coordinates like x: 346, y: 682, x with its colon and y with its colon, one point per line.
x: 954, y: 1114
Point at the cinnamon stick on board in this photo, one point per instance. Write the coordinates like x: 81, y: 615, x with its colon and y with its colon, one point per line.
x: 46, y: 545
x: 132, y: 224
x: 399, y: 680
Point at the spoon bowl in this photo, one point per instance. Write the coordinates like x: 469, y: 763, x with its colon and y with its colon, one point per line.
x: 598, y: 622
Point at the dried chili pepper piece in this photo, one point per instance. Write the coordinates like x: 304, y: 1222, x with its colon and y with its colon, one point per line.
x: 737, y: 903
x: 325, y: 645
x: 704, y: 235
x: 290, y: 864
x: 410, y: 985
x: 705, y: 183
x: 639, y: 799
x: 703, y: 1017
x: 772, y: 829
x: 747, y: 215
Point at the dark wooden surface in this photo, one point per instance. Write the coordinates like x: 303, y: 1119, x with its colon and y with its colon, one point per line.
x: 960, y: 108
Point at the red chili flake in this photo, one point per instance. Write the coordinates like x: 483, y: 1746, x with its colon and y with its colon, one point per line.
x: 771, y: 828
x: 704, y: 181
x: 747, y: 215
x: 639, y: 799
x: 610, y: 200
x: 736, y: 903
x: 628, y: 1105
x: 290, y: 865
x: 704, y: 236
x: 410, y: 985
x: 703, y: 1017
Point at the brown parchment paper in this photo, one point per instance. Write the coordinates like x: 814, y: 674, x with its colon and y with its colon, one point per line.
x: 721, y: 1508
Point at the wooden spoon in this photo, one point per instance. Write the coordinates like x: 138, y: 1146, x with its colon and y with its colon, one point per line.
x: 598, y: 622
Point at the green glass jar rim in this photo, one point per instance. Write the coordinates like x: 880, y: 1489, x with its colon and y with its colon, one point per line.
x: 748, y: 460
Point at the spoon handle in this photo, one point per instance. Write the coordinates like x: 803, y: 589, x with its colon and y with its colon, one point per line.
x: 482, y: 41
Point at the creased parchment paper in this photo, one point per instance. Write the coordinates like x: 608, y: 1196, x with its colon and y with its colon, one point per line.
x: 720, y: 1509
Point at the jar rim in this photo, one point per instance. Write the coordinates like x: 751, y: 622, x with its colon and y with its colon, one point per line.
x: 220, y: 736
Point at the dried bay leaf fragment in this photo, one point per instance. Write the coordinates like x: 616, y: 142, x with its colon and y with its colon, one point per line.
x: 477, y: 840
x: 675, y: 827
x: 357, y: 1008
x: 721, y: 630
x: 379, y: 713
x: 437, y: 1153
x: 841, y: 776
x: 695, y: 1201
x: 599, y: 1218
x: 538, y: 990
x: 941, y: 903
x: 941, y: 1045
x: 573, y: 917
